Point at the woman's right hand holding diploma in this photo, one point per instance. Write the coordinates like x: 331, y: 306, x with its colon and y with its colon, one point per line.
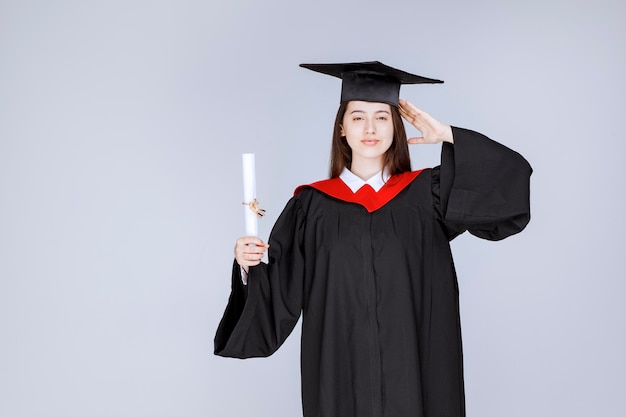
x: 249, y: 251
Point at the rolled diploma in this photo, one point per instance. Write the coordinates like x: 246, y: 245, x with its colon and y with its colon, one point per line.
x: 249, y: 193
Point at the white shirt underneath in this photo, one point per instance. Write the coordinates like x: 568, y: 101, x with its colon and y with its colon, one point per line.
x: 355, y: 183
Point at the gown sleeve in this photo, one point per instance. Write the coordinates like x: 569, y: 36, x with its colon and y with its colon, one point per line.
x: 260, y: 315
x: 482, y: 187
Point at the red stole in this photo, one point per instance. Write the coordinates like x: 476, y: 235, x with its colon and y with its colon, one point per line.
x: 365, y: 196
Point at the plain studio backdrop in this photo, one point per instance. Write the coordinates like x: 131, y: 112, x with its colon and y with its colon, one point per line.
x: 121, y: 129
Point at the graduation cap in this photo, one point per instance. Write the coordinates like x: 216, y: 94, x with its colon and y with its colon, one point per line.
x: 370, y: 81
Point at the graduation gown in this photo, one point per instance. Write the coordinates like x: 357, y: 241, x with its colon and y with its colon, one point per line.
x: 373, y: 277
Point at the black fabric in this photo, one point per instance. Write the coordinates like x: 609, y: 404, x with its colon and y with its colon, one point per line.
x: 381, y: 332
x: 369, y: 87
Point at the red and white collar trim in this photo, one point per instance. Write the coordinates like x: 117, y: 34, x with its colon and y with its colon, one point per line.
x: 365, y: 196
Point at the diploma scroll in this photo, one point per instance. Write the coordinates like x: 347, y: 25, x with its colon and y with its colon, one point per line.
x: 252, y: 211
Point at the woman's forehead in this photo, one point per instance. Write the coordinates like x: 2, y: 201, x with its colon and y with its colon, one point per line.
x: 367, y: 106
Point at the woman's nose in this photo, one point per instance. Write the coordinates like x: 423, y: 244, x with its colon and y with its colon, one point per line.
x: 370, y: 127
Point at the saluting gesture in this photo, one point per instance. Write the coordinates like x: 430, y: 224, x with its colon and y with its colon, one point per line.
x: 433, y: 131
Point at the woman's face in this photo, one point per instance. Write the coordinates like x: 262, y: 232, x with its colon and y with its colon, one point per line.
x: 368, y: 128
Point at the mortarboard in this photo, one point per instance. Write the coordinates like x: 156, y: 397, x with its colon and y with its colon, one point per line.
x: 370, y: 81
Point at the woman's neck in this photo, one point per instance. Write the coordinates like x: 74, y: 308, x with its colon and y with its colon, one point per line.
x: 366, y: 168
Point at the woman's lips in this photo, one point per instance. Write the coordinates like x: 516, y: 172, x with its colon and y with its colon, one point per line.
x: 369, y: 142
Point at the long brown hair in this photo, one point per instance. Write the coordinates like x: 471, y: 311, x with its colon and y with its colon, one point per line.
x: 397, y: 158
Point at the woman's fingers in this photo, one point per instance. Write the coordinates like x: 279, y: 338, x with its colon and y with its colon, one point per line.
x: 432, y: 130
x: 416, y: 140
x: 250, y: 240
x: 249, y: 250
x: 417, y: 117
x: 409, y: 108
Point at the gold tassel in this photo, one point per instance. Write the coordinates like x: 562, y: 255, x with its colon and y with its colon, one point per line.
x: 254, y: 206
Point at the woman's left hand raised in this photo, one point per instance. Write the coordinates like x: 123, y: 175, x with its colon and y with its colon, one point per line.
x: 433, y: 131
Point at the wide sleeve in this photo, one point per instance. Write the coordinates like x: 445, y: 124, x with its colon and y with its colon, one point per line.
x: 482, y: 187
x: 260, y: 315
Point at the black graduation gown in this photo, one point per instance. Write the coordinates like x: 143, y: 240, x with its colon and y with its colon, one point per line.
x: 381, y: 333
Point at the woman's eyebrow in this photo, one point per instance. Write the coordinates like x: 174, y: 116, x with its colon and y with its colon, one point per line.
x: 363, y: 111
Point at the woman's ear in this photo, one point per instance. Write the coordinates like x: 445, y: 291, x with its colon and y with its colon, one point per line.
x: 341, y: 133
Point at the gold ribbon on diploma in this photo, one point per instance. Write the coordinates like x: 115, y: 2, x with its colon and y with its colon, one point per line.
x: 254, y: 206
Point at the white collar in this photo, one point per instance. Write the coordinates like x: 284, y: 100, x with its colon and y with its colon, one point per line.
x: 355, y: 183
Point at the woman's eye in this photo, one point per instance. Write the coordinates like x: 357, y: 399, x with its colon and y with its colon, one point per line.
x: 382, y: 118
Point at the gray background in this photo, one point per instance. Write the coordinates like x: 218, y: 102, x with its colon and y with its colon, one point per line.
x: 121, y: 129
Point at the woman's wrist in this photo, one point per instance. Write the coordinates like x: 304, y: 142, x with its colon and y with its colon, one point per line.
x: 447, y: 135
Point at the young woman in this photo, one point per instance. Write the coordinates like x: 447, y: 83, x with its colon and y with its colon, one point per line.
x: 365, y: 257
